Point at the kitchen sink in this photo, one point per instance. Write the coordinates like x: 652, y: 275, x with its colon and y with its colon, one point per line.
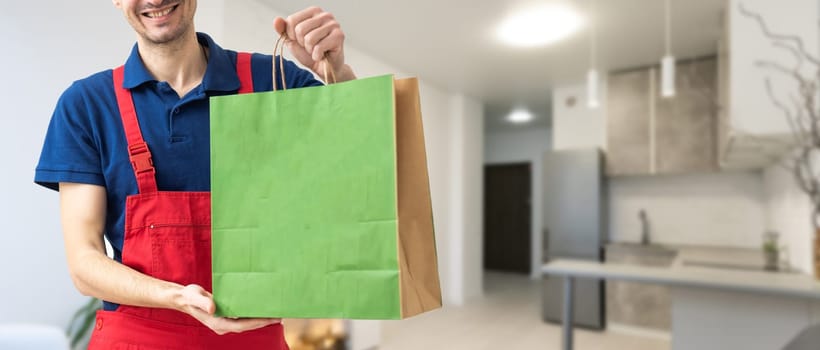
x: 640, y: 254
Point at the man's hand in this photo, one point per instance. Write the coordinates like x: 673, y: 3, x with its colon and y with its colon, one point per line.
x: 314, y: 34
x: 83, y: 209
x: 197, y: 302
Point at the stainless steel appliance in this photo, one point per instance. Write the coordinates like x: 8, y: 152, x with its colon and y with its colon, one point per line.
x: 574, y: 192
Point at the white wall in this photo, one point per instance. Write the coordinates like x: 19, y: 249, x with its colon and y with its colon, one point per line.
x: 515, y: 146
x: 789, y: 213
x: 719, y: 209
x: 577, y: 126
x: 467, y: 177
x: 210, y: 18
x: 750, y: 106
x: 519, y: 146
x: 47, y: 47
x: 789, y: 209
x: 752, y: 111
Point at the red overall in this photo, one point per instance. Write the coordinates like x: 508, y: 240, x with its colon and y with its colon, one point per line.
x: 168, y: 236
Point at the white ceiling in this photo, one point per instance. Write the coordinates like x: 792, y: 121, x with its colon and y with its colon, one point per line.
x: 451, y: 43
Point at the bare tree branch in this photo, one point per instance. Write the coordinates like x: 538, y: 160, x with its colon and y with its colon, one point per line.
x: 794, y: 73
x: 808, y: 92
x: 800, y: 109
x: 802, y: 123
x: 808, y: 124
x: 811, y: 175
x: 800, y: 175
x: 794, y: 124
x: 782, y: 37
x: 803, y: 117
x: 794, y: 52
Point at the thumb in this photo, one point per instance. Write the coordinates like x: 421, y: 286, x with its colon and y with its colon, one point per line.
x: 279, y: 25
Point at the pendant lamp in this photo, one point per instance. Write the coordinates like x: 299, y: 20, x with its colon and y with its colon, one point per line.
x: 592, y: 74
x: 668, y: 61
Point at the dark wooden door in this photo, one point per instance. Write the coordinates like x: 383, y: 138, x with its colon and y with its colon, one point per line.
x: 507, y: 217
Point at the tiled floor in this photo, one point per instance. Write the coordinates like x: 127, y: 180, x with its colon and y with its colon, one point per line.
x: 506, y: 318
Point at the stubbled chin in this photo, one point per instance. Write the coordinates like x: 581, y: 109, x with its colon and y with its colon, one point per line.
x: 164, y: 29
x: 165, y: 33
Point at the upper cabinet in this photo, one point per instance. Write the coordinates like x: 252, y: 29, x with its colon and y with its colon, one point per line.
x: 685, y: 136
x: 649, y: 134
x: 628, y: 123
x: 752, y: 131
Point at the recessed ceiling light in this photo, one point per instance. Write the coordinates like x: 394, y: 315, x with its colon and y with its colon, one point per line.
x: 539, y: 26
x: 520, y: 116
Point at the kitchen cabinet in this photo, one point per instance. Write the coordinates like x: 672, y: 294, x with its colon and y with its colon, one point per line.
x: 685, y: 124
x: 628, y: 131
x: 650, y: 134
x: 640, y: 305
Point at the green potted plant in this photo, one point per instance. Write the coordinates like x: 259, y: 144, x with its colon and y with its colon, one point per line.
x: 79, y: 328
x: 771, y: 251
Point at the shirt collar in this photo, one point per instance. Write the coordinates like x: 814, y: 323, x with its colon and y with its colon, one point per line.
x: 220, y: 75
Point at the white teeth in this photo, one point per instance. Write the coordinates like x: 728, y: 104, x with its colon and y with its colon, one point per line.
x: 160, y: 13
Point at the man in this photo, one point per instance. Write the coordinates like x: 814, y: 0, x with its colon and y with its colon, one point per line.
x: 128, y: 150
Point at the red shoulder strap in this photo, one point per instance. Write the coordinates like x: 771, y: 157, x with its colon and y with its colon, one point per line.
x: 138, y: 151
x: 243, y: 70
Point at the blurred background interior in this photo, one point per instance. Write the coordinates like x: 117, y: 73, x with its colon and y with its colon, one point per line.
x: 634, y: 132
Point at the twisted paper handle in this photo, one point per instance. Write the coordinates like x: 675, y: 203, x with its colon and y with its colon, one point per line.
x: 279, y: 49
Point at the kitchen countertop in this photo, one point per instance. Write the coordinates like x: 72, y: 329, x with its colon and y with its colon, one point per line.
x: 698, y: 255
x: 680, y: 275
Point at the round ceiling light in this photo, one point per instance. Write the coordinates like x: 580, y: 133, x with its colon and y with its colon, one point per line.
x: 520, y: 116
x: 539, y: 26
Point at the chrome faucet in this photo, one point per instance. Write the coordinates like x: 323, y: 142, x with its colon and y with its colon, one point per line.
x: 644, y: 227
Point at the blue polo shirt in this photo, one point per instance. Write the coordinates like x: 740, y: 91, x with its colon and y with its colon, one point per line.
x: 85, y: 142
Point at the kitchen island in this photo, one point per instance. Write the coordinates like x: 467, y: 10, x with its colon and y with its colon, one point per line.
x: 712, y: 308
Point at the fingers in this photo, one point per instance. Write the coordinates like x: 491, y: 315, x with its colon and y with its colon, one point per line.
x: 199, y: 298
x: 327, y: 38
x: 300, y: 54
x: 297, y: 18
x: 279, y: 25
x: 200, y: 305
x: 316, y: 31
x: 223, y: 325
x: 312, y: 30
x: 240, y: 325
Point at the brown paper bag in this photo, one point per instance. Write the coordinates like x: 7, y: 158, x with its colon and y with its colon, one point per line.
x: 418, y: 273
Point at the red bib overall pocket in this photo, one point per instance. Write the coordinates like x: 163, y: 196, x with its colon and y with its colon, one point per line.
x: 181, y: 253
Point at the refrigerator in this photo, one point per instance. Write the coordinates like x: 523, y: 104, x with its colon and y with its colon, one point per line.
x: 574, y: 193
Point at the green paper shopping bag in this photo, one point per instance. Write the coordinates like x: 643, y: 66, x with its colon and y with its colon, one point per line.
x: 321, y: 204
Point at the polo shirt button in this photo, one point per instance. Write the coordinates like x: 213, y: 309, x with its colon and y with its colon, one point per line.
x: 99, y: 323
x: 176, y: 110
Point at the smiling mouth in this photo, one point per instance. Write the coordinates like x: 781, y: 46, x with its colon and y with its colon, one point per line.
x: 160, y: 13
